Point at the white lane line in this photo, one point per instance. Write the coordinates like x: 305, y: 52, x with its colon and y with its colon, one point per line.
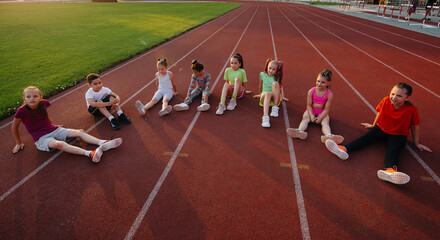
x: 24, y: 180
x: 69, y: 91
x: 418, y: 158
x: 171, y: 162
x: 384, y: 64
x: 377, y: 39
x: 383, y: 30
x: 296, y: 179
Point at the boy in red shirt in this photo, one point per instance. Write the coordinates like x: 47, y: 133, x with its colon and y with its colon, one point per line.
x: 394, y: 119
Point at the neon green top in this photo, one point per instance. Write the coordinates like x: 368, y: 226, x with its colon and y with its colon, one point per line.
x: 231, y: 75
x: 267, y: 82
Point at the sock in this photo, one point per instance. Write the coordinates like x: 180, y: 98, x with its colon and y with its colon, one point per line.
x: 101, y: 142
x: 223, y: 100
x: 110, y: 118
x: 120, y: 112
x: 234, y: 95
x: 87, y: 153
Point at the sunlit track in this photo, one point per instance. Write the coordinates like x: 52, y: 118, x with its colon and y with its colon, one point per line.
x: 345, y: 18
x: 418, y: 158
x: 369, y: 55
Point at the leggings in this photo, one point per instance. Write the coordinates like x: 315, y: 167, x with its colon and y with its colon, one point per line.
x: 395, y: 144
x: 196, y: 92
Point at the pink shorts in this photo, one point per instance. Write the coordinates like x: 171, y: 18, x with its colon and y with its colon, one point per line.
x: 239, y: 95
x: 317, y: 111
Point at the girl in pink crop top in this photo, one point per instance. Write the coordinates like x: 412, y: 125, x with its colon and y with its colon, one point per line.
x: 319, y: 100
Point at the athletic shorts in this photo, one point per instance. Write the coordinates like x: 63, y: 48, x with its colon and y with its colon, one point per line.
x: 163, y: 94
x: 239, y: 95
x: 59, y: 134
x: 95, y: 111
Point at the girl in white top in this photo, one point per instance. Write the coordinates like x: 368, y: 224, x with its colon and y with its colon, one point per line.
x: 166, y: 88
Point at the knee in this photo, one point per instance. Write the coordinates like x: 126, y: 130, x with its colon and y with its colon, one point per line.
x: 57, y: 144
x: 275, y: 85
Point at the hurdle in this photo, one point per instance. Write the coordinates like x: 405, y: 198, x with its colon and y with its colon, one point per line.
x: 408, y: 12
x: 392, y: 11
x: 360, y: 10
x: 381, y: 2
x: 432, y: 8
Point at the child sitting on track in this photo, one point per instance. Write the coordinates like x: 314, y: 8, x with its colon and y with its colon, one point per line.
x: 200, y: 82
x: 166, y: 88
x: 33, y: 114
x: 270, y: 91
x: 101, y: 100
x: 395, y: 117
x: 235, y: 77
x: 319, y: 101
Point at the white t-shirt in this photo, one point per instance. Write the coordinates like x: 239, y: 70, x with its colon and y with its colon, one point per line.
x: 96, y: 96
x: 165, y: 83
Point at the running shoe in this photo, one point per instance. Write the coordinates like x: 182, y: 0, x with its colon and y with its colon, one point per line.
x: 393, y: 176
x: 96, y: 155
x: 165, y: 111
x: 181, y: 107
x: 203, y: 107
x: 110, y: 144
x: 336, y: 149
x: 296, y: 133
x: 232, y: 104
x: 274, y: 112
x: 338, y: 139
x: 140, y: 107
x: 266, y: 121
x: 221, y: 108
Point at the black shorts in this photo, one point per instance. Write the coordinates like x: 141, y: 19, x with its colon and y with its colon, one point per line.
x: 95, y: 111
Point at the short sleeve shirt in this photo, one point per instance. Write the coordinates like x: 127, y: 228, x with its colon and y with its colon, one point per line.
x: 36, y: 124
x: 96, y: 96
x: 397, y: 121
x: 231, y: 75
x: 267, y: 81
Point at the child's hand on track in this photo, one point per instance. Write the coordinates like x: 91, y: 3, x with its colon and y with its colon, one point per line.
x: 422, y: 147
x: 367, y: 125
x: 18, y: 147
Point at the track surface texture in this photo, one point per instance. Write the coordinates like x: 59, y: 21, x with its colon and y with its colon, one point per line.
x: 191, y: 175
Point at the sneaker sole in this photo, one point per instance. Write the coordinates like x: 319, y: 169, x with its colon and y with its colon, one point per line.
x: 333, y: 148
x: 97, y: 157
x: 338, y: 139
x: 111, y: 144
x: 296, y: 134
x: 203, y: 108
x: 396, y: 178
x: 140, y: 107
x: 165, y: 111
x: 180, y: 108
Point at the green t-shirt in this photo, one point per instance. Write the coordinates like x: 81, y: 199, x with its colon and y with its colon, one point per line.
x: 267, y: 81
x: 231, y: 75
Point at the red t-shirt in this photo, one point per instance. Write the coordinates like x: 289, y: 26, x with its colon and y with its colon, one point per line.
x: 37, y: 125
x: 397, y: 121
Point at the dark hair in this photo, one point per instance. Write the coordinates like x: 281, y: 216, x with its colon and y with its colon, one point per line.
x: 240, y: 59
x: 162, y: 61
x: 405, y: 86
x: 279, y: 73
x: 327, y: 74
x: 197, y: 66
x: 91, y: 77
x: 40, y: 107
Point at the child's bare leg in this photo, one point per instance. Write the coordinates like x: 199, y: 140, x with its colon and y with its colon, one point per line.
x: 225, y: 91
x: 151, y: 103
x: 105, y: 112
x: 325, y: 126
x: 237, y: 87
x: 65, y: 147
x: 266, y: 103
x: 276, y: 93
x: 304, y: 122
x: 165, y: 102
x: 83, y: 136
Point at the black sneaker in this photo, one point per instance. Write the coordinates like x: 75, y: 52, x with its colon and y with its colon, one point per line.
x: 124, y: 119
x: 115, y: 124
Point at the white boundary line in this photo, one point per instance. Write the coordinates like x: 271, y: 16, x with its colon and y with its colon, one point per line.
x: 377, y: 39
x: 296, y: 179
x: 369, y: 55
x: 418, y: 158
x: 19, y: 184
x: 396, y: 34
x: 138, y: 57
x: 171, y: 162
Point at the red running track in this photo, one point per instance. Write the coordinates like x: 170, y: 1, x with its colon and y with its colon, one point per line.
x: 194, y: 175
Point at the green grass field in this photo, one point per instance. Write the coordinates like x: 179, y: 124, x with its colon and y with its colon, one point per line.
x: 55, y: 45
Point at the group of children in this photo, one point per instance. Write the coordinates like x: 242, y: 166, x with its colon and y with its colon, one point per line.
x: 396, y: 116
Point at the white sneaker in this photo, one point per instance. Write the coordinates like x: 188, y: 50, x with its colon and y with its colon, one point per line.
x: 232, y: 104
x: 296, y: 133
x: 203, y: 107
x: 181, y: 107
x: 338, y: 139
x: 266, y: 121
x: 335, y: 149
x: 96, y: 155
x: 111, y: 144
x: 274, y: 112
x: 140, y: 107
x: 221, y: 108
x: 393, y: 176
x: 165, y: 111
